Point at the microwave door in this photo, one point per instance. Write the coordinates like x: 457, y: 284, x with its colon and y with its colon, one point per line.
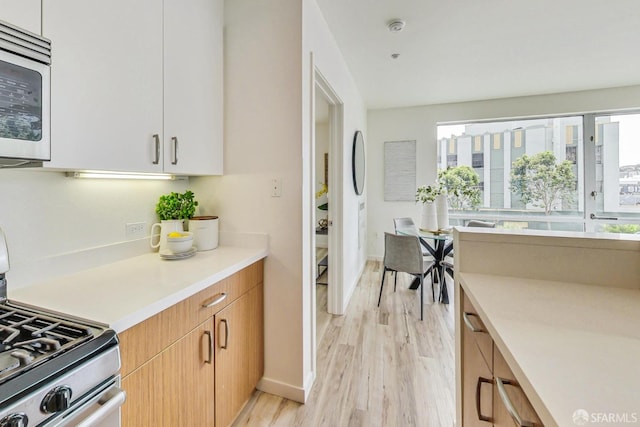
x: 24, y: 108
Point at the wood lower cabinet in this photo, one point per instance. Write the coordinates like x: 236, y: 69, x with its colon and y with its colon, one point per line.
x: 239, y: 341
x: 171, y: 389
x: 204, y: 376
x: 484, y: 401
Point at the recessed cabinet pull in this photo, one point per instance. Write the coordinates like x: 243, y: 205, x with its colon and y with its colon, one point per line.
x: 156, y: 141
x: 226, y: 334
x: 500, y: 383
x: 210, y: 336
x: 217, y: 300
x: 478, y: 404
x: 467, y: 321
x: 174, y: 141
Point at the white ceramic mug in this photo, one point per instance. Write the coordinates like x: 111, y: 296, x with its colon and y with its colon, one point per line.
x: 165, y: 227
x: 205, y: 232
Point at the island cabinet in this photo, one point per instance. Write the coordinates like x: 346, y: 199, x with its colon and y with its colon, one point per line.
x: 491, y: 394
x: 198, y: 362
x: 136, y: 86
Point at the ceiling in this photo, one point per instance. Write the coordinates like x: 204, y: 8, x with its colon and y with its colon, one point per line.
x: 465, y: 50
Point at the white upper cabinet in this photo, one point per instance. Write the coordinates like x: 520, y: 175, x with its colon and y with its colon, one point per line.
x: 25, y: 14
x: 127, y: 96
x: 193, y: 86
x: 106, y: 80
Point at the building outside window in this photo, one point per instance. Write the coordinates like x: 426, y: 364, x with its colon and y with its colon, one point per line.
x: 609, y: 187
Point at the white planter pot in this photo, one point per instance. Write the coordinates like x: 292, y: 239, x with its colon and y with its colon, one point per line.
x: 429, y: 217
x: 205, y: 232
x: 442, y: 208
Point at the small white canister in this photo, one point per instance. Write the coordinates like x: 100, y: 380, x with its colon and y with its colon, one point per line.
x: 205, y: 232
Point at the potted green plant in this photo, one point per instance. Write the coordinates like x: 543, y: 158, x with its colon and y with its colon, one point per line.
x: 173, y: 209
x: 176, y: 206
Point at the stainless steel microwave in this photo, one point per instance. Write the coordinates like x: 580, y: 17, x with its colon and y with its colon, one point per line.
x: 25, y: 92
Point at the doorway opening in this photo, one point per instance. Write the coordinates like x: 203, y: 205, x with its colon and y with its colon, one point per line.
x: 327, y: 183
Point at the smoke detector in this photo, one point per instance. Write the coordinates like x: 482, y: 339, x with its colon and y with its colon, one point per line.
x: 396, y: 25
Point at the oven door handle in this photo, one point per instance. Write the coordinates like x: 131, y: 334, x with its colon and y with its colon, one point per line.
x: 110, y: 401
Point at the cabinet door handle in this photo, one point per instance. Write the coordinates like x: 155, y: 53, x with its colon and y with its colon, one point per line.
x: 501, y: 382
x: 210, y: 336
x: 174, y: 142
x: 156, y: 141
x: 478, y: 388
x: 467, y: 321
x: 217, y: 300
x: 226, y: 334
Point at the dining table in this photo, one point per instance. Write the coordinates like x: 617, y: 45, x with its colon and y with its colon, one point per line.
x: 439, y: 244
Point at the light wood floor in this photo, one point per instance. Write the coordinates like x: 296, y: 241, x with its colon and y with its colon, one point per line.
x: 375, y: 366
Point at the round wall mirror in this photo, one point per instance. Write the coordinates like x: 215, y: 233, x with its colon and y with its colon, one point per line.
x: 357, y: 165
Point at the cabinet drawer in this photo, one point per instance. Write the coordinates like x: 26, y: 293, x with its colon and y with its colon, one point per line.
x: 509, y: 400
x: 208, y: 302
x: 474, y: 326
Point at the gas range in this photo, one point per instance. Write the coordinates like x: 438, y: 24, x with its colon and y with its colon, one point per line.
x: 55, y: 370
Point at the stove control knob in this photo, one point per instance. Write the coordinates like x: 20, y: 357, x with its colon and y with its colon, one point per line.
x: 58, y: 399
x: 15, y: 420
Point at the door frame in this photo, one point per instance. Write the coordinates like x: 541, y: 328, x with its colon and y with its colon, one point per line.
x: 335, y: 293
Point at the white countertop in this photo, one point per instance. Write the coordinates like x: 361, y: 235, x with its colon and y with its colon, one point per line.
x: 571, y: 346
x: 124, y: 293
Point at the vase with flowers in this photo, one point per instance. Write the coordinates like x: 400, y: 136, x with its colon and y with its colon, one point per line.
x: 427, y: 194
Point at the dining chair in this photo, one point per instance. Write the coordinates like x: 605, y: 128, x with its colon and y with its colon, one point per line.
x: 403, y: 253
x: 408, y: 224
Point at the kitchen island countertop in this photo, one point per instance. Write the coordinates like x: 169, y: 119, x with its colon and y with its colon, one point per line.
x: 124, y: 293
x: 571, y: 346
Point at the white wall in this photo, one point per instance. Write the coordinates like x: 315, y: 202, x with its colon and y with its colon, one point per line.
x: 262, y: 131
x: 419, y: 123
x: 268, y: 135
x: 45, y: 214
x: 327, y: 59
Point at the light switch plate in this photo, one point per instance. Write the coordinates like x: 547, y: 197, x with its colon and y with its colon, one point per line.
x: 276, y: 187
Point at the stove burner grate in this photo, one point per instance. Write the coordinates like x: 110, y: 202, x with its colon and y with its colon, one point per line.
x: 28, y: 338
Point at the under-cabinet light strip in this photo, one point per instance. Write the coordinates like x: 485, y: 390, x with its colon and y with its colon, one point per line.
x: 118, y: 175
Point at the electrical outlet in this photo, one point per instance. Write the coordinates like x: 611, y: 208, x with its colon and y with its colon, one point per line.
x: 135, y: 229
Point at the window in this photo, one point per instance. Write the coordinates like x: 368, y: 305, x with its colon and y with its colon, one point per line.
x: 477, y: 160
x: 572, y: 154
x: 511, y: 144
x: 602, y: 196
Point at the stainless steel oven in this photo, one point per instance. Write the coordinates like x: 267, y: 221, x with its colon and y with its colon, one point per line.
x: 25, y: 92
x: 55, y: 370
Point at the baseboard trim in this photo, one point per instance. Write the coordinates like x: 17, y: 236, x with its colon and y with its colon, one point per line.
x: 279, y: 388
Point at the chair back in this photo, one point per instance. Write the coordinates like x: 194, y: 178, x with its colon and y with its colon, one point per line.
x: 485, y: 224
x: 403, y: 253
x: 405, y: 223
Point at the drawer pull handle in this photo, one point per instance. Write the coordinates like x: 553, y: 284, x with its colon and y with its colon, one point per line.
x: 501, y: 382
x: 217, y: 300
x: 226, y: 334
x: 467, y: 321
x: 210, y: 336
x: 478, y: 388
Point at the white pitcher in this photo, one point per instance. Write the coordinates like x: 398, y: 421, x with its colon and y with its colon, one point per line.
x: 166, y: 227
